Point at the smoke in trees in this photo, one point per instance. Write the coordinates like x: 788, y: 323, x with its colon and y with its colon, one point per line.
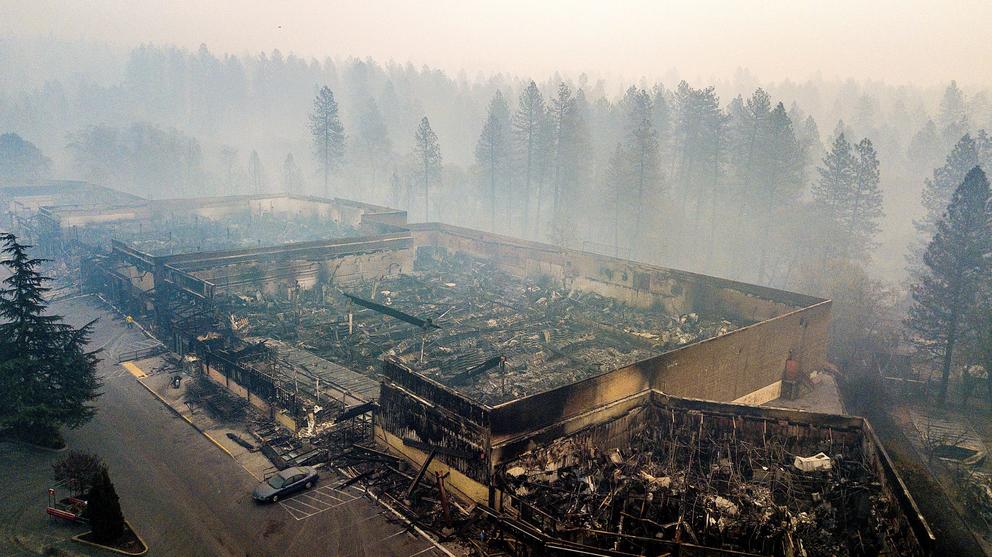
x: 427, y: 157
x: 492, y: 153
x: 956, y: 264
x: 327, y: 134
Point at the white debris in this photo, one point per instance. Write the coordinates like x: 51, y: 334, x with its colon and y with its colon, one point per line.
x: 725, y: 505
x: 663, y: 481
x: 516, y: 471
x: 813, y: 463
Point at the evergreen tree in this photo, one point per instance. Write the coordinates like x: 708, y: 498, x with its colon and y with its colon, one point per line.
x: 327, y: 134
x: 755, y: 116
x: 661, y: 110
x: 922, y: 148
x: 561, y: 113
x: 865, y: 204
x: 47, y: 378
x: 956, y: 264
x: 103, y: 507
x: 953, y: 114
x: 427, y: 152
x: 492, y: 151
x: 810, y: 143
x: 257, y: 182
x: 229, y: 160
x: 21, y: 160
x: 836, y: 181
x: 780, y: 180
x: 643, y: 155
x: 617, y: 183
x: 373, y: 139
x: 528, y: 125
x: 578, y: 171
x: 937, y: 192
x: 292, y: 177
x: 848, y: 194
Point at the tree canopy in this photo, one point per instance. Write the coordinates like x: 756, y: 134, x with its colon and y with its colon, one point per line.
x: 47, y: 375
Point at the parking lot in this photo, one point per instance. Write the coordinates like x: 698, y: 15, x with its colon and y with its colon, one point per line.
x: 319, y: 499
x: 184, y: 495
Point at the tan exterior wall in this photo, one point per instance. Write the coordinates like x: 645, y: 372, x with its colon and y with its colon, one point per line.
x: 464, y: 487
x: 236, y: 388
x: 274, y: 274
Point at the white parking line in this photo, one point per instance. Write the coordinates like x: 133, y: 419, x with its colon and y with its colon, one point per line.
x: 298, y: 501
x: 391, y: 535
x: 313, y: 502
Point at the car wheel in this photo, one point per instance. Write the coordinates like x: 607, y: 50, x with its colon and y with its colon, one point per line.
x: 275, y: 498
x: 309, y: 485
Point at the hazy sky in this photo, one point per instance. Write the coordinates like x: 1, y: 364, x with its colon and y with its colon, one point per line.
x: 896, y: 41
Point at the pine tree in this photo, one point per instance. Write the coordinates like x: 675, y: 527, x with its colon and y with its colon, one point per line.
x: 836, y: 181
x: 780, y: 180
x: 528, y: 125
x: 578, y: 171
x: 47, y: 378
x: 256, y: 174
x: 922, y: 148
x: 492, y: 151
x: 373, y: 139
x: 561, y: 112
x: 103, y: 507
x: 956, y: 264
x: 643, y: 154
x: 701, y: 137
x: 427, y: 152
x: 810, y: 142
x: 292, y: 177
x: 937, y: 192
x: 327, y: 133
x: 953, y: 114
x: 848, y: 195
x: 865, y: 204
x: 617, y: 183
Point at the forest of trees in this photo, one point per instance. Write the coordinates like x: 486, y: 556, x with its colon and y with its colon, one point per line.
x: 830, y: 187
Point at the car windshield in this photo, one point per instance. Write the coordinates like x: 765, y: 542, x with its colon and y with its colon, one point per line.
x: 277, y: 481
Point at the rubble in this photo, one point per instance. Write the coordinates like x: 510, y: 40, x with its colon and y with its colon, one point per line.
x: 686, y: 477
x: 544, y: 335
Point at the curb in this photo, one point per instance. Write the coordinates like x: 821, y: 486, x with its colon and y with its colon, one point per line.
x: 33, y: 446
x: 187, y: 420
x: 196, y: 427
x: 78, y: 539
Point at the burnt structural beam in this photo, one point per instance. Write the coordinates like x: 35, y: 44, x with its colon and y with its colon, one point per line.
x: 420, y: 476
x: 386, y: 310
x: 465, y: 376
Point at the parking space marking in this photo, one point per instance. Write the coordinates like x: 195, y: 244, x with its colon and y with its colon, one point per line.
x: 313, y: 502
x: 316, y: 496
x: 391, y: 536
x: 300, y: 501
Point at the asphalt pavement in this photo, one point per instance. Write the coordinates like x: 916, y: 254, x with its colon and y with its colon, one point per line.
x: 183, y: 494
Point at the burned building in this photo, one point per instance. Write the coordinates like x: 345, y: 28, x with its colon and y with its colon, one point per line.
x: 497, y: 358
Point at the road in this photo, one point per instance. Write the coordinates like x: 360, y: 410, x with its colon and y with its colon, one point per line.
x: 180, y: 492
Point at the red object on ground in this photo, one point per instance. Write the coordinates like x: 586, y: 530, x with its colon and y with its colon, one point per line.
x: 791, y: 370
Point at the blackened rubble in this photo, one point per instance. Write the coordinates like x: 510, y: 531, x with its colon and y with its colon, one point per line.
x: 549, y: 335
x: 715, y: 481
x: 176, y: 233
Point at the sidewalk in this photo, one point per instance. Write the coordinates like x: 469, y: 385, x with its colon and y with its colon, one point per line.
x: 155, y: 376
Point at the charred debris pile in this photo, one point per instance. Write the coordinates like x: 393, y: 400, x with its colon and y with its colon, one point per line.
x: 177, y: 234
x: 468, y: 324
x: 716, y: 481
